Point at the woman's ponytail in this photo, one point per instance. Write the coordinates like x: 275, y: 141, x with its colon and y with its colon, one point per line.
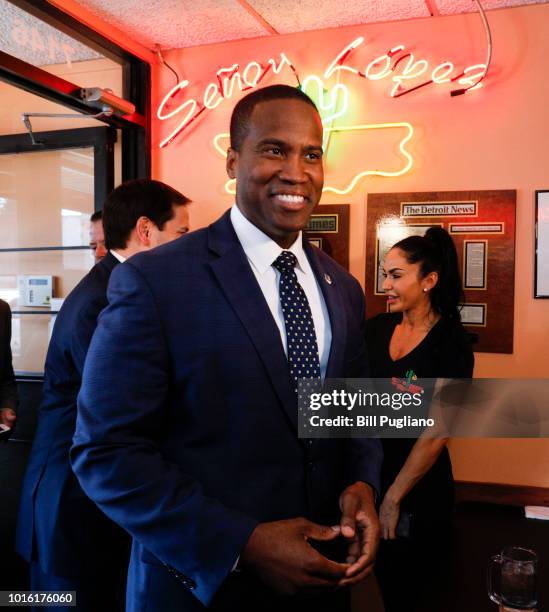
x: 436, y: 252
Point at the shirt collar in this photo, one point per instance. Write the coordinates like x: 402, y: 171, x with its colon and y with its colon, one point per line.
x: 120, y: 258
x: 261, y: 250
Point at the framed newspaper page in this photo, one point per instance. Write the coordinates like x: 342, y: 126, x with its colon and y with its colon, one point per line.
x: 541, y: 266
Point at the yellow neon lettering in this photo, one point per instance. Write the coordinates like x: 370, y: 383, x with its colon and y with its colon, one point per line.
x: 327, y: 101
x: 409, y: 132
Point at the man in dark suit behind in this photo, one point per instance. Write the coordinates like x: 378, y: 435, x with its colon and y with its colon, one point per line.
x: 187, y: 421
x: 69, y: 542
x: 8, y: 386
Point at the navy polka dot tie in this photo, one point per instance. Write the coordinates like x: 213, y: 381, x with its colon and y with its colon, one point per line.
x: 298, y: 320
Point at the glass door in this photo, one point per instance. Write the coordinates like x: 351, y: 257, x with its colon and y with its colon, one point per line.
x: 47, y: 195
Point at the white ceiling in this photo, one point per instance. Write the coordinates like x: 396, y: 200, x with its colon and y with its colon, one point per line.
x: 176, y: 24
x: 35, y: 42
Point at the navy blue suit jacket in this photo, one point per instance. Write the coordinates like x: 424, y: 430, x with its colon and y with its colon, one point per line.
x: 187, y: 420
x: 58, y: 525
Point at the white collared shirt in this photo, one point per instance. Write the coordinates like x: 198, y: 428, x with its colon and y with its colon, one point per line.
x: 261, y: 252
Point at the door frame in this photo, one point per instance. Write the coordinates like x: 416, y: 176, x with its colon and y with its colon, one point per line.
x: 136, y: 78
x: 102, y: 139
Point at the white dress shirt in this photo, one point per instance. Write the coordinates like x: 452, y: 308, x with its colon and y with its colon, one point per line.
x: 261, y: 252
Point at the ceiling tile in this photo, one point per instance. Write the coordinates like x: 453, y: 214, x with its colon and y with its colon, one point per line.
x: 177, y: 23
x: 287, y: 16
x: 35, y: 42
x: 453, y: 7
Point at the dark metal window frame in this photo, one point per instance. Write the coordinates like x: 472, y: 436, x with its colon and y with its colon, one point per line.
x: 102, y: 139
x: 136, y: 144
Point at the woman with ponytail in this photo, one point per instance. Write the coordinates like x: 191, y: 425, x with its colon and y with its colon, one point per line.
x: 420, y: 337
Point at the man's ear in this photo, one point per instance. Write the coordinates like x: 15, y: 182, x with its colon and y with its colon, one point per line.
x: 232, y: 162
x: 142, y: 229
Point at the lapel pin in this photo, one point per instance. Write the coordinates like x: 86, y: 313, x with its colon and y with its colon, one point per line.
x: 328, y: 279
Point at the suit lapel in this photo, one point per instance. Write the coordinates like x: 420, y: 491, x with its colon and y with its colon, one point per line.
x: 336, y: 311
x: 237, y: 280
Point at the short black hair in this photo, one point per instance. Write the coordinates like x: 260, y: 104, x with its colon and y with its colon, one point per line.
x: 242, y: 112
x: 97, y: 216
x: 134, y: 199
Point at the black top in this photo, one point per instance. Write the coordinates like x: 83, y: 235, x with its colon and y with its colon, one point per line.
x: 8, y: 388
x: 445, y: 352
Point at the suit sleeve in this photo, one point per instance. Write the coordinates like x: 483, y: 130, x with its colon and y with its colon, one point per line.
x: 365, y: 454
x: 8, y: 386
x: 122, y: 411
x: 81, y: 336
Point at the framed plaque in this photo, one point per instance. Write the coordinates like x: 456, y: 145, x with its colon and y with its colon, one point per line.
x: 482, y: 226
x: 541, y: 268
x: 473, y: 314
x: 328, y: 229
x: 474, y: 264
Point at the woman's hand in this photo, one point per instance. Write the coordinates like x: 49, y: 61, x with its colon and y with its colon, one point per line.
x: 389, y: 513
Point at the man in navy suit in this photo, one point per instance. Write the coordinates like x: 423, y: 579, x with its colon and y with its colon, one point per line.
x: 69, y: 542
x: 187, y: 421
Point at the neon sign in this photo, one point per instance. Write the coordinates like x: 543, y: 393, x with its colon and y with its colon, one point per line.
x: 215, y: 93
x: 385, y: 65
x: 407, y: 165
x: 400, y: 67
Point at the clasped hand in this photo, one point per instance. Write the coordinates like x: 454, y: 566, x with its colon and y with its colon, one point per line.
x: 281, y: 555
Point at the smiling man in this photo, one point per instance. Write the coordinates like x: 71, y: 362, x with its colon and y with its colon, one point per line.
x: 187, y: 430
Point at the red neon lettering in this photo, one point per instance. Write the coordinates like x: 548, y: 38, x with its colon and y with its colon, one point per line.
x: 231, y: 72
x: 384, y: 61
x: 411, y: 70
x: 284, y: 61
x: 254, y: 80
x: 209, y: 95
x: 446, y: 69
x: 337, y: 64
x: 470, y: 80
x: 254, y: 72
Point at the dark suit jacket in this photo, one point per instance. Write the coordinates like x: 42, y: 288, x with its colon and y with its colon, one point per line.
x: 8, y: 388
x: 67, y: 529
x: 186, y: 430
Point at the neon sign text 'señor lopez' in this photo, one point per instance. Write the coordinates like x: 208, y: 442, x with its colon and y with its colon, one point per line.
x: 400, y: 67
